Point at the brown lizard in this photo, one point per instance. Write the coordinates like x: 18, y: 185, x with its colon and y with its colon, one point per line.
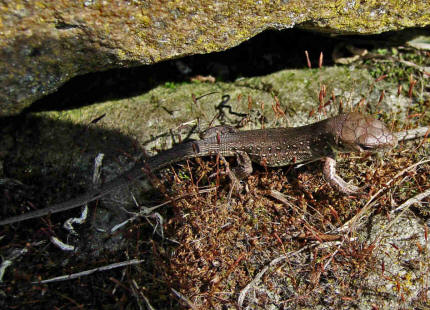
x: 270, y: 147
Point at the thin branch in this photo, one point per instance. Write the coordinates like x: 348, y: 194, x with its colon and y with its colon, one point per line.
x: 251, y: 284
x: 404, y: 207
x: 61, y: 245
x: 14, y: 255
x: 284, y: 199
x: 145, y: 211
x: 412, y: 133
x: 425, y: 70
x: 349, y: 225
x: 185, y: 299
x: 90, y: 271
x: 411, y: 201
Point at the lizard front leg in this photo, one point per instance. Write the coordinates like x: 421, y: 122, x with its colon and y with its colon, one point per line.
x: 242, y: 171
x: 336, y: 181
x: 244, y: 168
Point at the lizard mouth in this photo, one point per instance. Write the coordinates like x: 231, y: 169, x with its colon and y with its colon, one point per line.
x: 368, y: 143
x: 386, y: 140
x: 365, y: 148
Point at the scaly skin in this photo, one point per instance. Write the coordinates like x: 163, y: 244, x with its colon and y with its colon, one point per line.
x: 270, y: 147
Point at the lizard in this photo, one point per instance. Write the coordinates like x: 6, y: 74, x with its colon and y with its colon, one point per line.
x: 272, y: 147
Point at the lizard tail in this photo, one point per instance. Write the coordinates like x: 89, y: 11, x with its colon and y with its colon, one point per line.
x: 177, y: 153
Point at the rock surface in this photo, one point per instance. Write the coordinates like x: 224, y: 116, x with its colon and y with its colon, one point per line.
x: 45, y: 43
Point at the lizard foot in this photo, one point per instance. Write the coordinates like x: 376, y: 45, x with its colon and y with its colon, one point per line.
x: 235, y: 186
x: 337, y: 182
x: 242, y: 171
x: 349, y: 189
x: 236, y: 174
x: 235, y: 182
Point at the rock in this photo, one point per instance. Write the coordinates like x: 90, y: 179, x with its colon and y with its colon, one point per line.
x: 45, y: 43
x: 399, y: 256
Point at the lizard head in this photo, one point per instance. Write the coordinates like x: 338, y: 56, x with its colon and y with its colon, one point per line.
x: 358, y: 132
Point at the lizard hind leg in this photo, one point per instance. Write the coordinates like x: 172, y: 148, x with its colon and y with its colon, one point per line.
x: 236, y: 174
x: 329, y: 171
x: 244, y: 168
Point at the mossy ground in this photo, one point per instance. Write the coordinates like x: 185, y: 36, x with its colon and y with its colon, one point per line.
x: 203, y: 244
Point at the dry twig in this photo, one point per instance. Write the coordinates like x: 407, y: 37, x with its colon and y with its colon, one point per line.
x: 277, y: 260
x: 90, y: 271
x: 183, y: 298
x: 350, y: 225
